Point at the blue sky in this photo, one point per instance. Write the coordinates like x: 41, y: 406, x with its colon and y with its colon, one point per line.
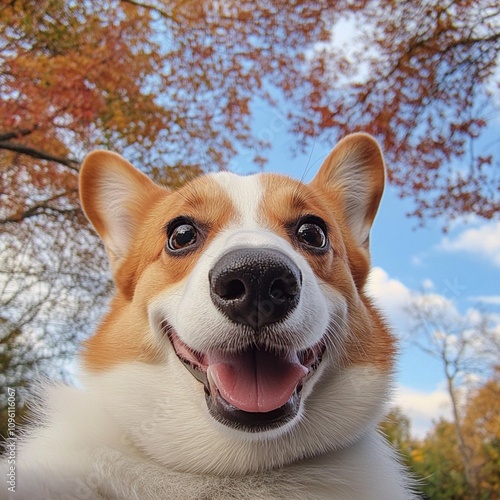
x: 462, y: 266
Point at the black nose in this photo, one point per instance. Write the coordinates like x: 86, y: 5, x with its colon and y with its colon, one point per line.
x: 255, y: 286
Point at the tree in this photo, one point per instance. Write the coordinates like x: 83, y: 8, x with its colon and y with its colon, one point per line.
x: 48, y: 304
x: 437, y: 458
x: 482, y: 430
x: 420, y: 76
x: 173, y: 83
x: 438, y: 465
x: 458, y: 342
x: 396, y: 427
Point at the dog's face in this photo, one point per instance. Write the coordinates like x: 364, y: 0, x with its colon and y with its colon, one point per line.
x: 240, y: 310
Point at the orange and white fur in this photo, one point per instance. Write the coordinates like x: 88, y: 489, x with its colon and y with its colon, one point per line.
x: 240, y: 357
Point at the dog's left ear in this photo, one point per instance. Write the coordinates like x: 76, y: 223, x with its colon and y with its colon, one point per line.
x: 354, y: 174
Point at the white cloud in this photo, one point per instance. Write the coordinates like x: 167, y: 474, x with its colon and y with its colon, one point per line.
x: 349, y: 41
x: 390, y: 295
x: 427, y: 284
x: 423, y: 408
x: 429, y: 302
x: 483, y: 241
x: 494, y: 300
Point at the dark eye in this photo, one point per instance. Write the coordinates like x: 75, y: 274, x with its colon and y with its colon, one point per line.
x: 182, y: 236
x: 312, y: 235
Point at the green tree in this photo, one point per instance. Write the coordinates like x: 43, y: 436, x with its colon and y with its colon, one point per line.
x: 396, y: 427
x: 437, y: 460
x: 482, y: 432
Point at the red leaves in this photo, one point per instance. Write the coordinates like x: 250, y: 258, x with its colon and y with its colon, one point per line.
x: 424, y: 92
x: 176, y: 81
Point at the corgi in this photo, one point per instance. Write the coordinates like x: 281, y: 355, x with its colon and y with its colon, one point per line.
x: 240, y: 357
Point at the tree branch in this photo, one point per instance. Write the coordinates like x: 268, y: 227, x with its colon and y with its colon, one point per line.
x: 162, y: 12
x: 39, y: 209
x: 41, y: 155
x: 6, y: 136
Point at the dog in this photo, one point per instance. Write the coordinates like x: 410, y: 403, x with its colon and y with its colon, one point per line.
x: 240, y: 357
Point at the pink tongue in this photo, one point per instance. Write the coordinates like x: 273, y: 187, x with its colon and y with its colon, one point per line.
x: 255, y: 381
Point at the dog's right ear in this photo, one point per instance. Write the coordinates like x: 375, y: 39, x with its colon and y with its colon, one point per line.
x: 354, y: 174
x: 114, y: 197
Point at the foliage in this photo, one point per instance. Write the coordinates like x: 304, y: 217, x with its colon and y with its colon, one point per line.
x: 173, y: 83
x: 436, y: 460
x: 396, y: 428
x: 420, y: 76
x: 482, y: 431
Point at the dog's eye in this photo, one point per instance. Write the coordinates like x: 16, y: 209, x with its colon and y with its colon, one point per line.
x: 312, y: 235
x: 182, y: 236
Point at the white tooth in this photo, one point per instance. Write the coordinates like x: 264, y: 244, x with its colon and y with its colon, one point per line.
x: 210, y: 378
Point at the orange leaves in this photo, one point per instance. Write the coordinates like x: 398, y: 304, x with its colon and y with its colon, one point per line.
x: 75, y: 61
x: 418, y: 76
x: 176, y: 81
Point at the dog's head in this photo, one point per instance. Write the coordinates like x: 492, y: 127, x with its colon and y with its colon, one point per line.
x: 239, y: 310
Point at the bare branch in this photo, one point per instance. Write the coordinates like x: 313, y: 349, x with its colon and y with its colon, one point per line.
x: 162, y: 12
x: 42, y: 155
x: 41, y: 208
x: 7, y: 136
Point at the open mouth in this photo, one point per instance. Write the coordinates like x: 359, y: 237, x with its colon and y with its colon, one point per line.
x: 256, y: 388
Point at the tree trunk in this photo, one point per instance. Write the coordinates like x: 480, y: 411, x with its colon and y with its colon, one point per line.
x: 460, y: 437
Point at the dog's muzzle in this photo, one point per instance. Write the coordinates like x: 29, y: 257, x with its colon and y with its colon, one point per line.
x: 256, y: 384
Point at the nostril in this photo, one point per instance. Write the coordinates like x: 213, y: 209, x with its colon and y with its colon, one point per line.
x: 277, y: 291
x: 282, y: 290
x: 234, y: 289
